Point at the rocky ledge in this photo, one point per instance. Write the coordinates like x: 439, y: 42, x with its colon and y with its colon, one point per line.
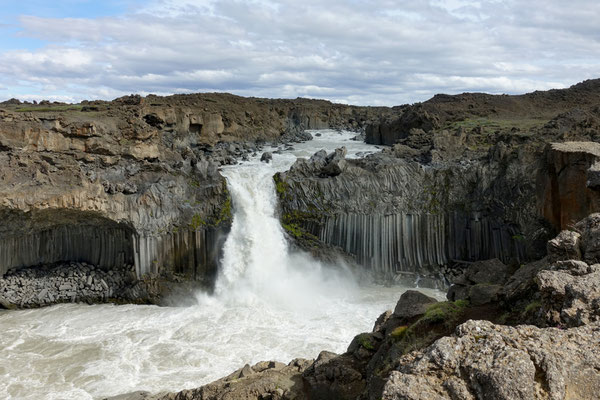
x: 536, y: 337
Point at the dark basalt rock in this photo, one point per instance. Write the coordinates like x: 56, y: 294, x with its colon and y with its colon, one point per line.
x: 266, y: 157
x: 412, y: 303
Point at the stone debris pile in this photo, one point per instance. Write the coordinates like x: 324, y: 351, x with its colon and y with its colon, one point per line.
x: 63, y: 282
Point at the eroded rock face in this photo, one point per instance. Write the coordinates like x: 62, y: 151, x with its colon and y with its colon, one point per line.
x: 484, y: 360
x: 566, y: 188
x: 135, y: 181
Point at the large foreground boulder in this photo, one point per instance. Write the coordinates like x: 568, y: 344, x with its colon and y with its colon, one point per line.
x: 570, y: 293
x: 412, y: 303
x: 488, y: 361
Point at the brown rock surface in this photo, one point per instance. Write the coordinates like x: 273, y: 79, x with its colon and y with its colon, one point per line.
x: 484, y: 361
x: 563, y: 188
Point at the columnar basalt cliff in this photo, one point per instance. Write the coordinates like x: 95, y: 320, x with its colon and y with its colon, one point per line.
x: 135, y: 181
x: 468, y: 177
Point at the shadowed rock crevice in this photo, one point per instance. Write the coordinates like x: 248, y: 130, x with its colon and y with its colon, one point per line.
x: 51, y: 236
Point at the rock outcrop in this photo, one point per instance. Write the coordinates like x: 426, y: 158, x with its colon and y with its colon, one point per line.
x: 569, y: 182
x: 468, y: 178
x: 487, y: 361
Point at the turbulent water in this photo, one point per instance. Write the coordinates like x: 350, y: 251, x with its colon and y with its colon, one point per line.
x: 269, y: 304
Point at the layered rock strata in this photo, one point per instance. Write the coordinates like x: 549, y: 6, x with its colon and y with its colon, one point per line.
x: 135, y: 181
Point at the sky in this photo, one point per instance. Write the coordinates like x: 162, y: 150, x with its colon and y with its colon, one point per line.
x: 365, y: 52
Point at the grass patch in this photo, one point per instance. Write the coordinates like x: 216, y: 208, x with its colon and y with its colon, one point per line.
x: 399, y: 332
x: 365, y: 340
x: 444, y: 311
x: 62, y: 107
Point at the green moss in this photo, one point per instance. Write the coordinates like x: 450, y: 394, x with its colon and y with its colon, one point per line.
x: 197, y: 222
x: 224, y: 213
x: 444, y: 311
x: 399, y: 332
x: 365, y: 340
x: 461, y: 303
x: 280, y: 185
x: 518, y: 238
x: 298, y: 232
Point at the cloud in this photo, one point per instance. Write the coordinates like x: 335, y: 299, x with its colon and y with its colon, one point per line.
x: 360, y: 52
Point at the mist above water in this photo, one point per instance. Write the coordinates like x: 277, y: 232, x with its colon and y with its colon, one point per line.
x: 269, y: 304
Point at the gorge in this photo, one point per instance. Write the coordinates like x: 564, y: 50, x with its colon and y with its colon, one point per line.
x: 257, y: 218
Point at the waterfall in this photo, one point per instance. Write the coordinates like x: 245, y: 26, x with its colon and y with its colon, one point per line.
x: 257, y: 264
x: 255, y: 252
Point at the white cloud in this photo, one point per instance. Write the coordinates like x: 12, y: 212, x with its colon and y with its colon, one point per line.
x: 360, y: 52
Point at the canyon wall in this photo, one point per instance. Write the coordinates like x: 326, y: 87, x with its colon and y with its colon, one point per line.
x: 402, y: 217
x: 467, y: 178
x: 135, y: 181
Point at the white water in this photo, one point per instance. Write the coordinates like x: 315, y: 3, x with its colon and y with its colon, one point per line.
x: 269, y: 305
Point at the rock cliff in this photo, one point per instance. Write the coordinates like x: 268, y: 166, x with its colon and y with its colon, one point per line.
x: 135, y: 181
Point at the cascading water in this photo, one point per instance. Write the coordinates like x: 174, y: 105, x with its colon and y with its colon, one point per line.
x: 269, y: 304
x: 255, y: 251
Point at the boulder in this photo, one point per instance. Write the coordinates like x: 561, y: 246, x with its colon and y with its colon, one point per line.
x: 319, y: 157
x: 333, y: 168
x: 487, y: 361
x: 333, y: 377
x: 565, y: 246
x: 480, y: 283
x: 266, y: 157
x: 412, y: 303
x: 589, y: 228
x: 337, y: 154
x: 571, y: 293
x: 489, y: 271
x: 483, y: 293
x: 264, y: 380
